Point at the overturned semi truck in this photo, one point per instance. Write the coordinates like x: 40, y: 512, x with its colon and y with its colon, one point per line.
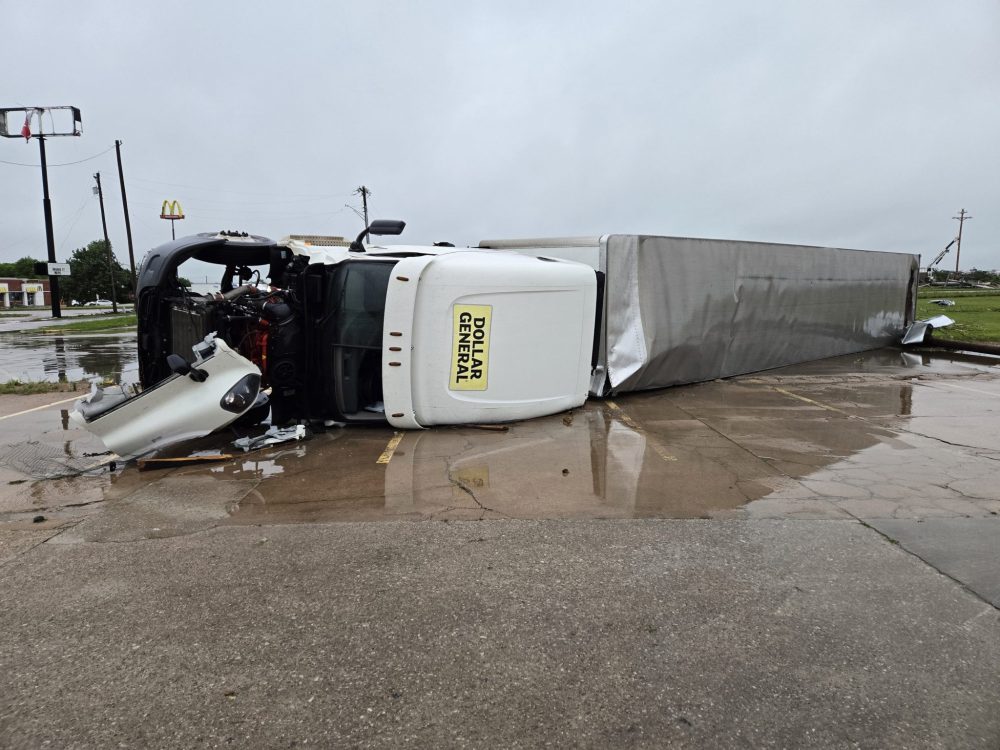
x: 324, y: 331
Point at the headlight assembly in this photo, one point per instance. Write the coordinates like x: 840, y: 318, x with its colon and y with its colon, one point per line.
x: 241, y: 396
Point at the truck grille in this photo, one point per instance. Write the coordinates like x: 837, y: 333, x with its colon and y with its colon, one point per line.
x: 187, y: 328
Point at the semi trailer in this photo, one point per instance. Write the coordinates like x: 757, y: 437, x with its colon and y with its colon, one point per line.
x: 324, y: 331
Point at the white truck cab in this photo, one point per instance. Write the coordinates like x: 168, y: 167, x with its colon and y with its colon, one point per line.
x: 410, y: 335
x: 485, y: 336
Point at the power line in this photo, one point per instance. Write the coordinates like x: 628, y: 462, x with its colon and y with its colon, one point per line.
x: 226, y: 202
x: 72, y: 226
x: 63, y: 164
x: 241, y: 192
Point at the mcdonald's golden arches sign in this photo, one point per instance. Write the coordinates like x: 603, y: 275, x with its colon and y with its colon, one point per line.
x: 171, y: 210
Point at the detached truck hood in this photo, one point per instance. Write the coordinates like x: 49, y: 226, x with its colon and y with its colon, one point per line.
x: 485, y: 336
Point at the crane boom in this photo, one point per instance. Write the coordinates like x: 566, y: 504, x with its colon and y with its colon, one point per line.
x: 941, y: 254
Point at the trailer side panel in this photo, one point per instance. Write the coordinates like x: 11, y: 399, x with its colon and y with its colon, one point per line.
x: 683, y: 310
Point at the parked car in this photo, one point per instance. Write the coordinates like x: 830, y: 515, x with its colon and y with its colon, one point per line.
x: 98, y: 303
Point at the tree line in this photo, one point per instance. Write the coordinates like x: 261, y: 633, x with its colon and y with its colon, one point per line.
x: 90, y: 277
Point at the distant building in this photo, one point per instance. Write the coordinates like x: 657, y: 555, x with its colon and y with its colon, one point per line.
x: 24, y: 293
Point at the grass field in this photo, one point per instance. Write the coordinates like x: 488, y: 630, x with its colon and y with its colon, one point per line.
x: 976, y: 313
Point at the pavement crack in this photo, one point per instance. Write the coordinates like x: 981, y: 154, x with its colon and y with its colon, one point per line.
x: 52, y: 508
x: 763, y: 459
x: 928, y: 563
x: 946, y: 442
x: 66, y: 527
x: 471, y: 493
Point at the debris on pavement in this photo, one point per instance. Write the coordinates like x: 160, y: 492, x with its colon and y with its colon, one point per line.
x: 273, y: 436
x: 919, y: 330
x: 146, y: 464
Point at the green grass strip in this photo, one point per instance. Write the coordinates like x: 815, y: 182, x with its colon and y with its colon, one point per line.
x: 976, y: 314
x: 94, y: 325
x: 17, y: 388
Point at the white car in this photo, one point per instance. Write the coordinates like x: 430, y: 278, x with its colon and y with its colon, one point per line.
x: 98, y: 303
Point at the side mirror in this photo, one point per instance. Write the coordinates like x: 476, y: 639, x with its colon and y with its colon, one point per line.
x: 378, y: 227
x: 180, y: 366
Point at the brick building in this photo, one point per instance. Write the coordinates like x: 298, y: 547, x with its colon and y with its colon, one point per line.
x: 24, y: 293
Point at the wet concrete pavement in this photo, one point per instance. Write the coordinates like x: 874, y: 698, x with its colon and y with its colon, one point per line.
x: 15, y: 319
x: 802, y: 557
x: 30, y: 357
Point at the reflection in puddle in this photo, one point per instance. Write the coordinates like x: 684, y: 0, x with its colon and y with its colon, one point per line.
x: 36, y: 357
x: 712, y: 450
x: 880, y: 435
x: 262, y: 468
x: 639, y: 457
x: 591, y: 467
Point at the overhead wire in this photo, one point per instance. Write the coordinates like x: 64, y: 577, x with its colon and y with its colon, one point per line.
x: 238, y: 201
x: 61, y: 164
x: 72, y: 226
x: 241, y: 192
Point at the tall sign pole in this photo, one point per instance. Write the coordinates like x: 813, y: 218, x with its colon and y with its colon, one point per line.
x: 172, y: 210
x: 70, y: 124
x: 49, y: 238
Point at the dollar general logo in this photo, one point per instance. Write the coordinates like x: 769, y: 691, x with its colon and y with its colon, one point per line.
x: 171, y: 210
x: 470, y: 354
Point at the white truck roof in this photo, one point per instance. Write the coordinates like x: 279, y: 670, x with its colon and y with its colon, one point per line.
x: 479, y: 336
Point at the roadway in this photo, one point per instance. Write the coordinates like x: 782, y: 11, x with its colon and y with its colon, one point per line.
x: 801, y: 558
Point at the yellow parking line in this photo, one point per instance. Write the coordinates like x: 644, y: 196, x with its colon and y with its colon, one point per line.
x: 625, y: 419
x: 39, y: 408
x: 390, y: 448
x: 622, y: 416
x: 814, y: 402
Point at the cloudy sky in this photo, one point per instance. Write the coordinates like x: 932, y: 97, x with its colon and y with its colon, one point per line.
x: 830, y: 122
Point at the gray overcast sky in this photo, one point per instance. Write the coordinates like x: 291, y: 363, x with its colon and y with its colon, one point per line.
x: 830, y: 122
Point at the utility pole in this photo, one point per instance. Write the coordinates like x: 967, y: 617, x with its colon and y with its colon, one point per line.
x: 364, y: 193
x: 107, y: 243
x: 962, y: 218
x: 128, y: 224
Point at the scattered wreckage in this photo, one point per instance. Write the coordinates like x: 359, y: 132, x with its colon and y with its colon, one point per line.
x: 415, y: 336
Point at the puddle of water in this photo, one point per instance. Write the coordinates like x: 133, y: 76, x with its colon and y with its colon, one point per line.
x: 875, y: 436
x: 55, y: 358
